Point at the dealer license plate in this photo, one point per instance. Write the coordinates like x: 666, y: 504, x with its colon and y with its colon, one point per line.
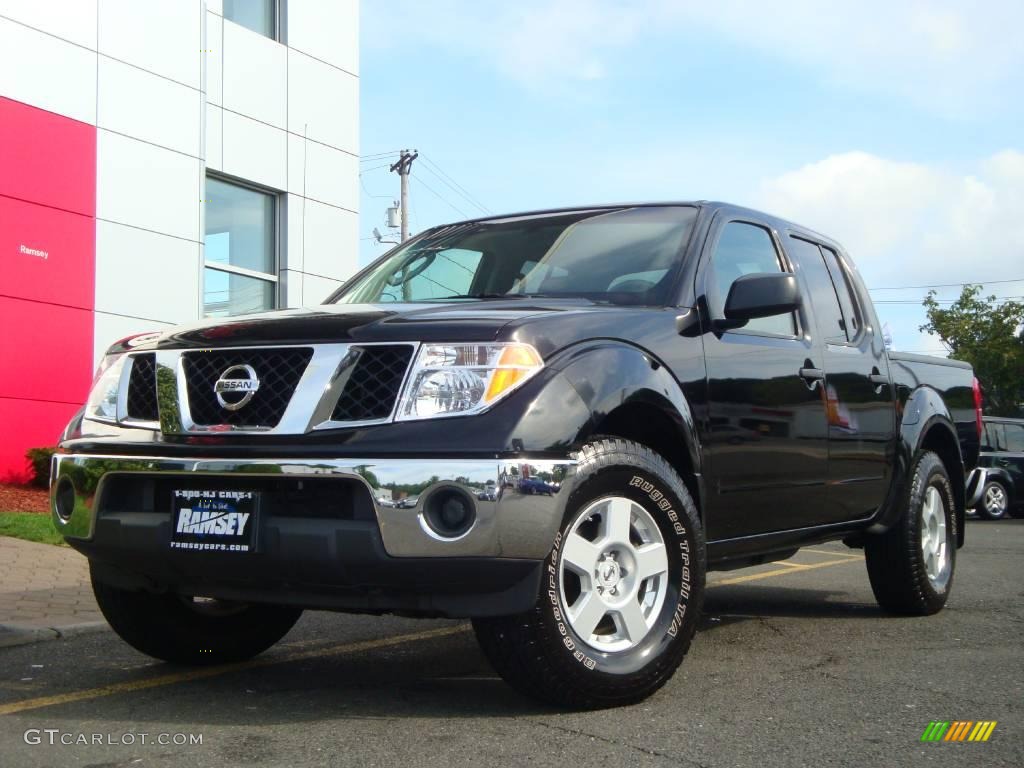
x: 214, y: 520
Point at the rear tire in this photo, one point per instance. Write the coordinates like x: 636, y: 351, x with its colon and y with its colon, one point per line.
x: 911, y: 565
x: 185, y: 630
x: 995, y: 501
x: 622, y: 589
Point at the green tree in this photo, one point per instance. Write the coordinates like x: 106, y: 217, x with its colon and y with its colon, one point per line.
x: 987, y: 333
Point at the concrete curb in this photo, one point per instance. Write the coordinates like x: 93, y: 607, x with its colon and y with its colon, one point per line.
x: 21, y: 634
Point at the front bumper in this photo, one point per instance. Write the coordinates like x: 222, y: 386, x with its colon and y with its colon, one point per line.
x: 114, y: 510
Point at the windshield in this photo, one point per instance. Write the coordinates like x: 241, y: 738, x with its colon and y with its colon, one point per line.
x: 623, y: 256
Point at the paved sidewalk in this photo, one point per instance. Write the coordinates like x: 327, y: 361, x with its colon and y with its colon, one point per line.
x: 44, y: 593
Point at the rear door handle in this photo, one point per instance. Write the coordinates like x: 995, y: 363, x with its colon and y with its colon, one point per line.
x: 878, y: 378
x: 811, y: 376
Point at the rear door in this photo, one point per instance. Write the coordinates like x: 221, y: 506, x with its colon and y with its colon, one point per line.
x: 858, y: 394
x: 1011, y: 458
x: 765, y: 431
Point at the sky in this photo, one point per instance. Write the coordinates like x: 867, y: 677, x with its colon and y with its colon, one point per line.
x: 896, y: 128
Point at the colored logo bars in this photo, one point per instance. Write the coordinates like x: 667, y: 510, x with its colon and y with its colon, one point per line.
x: 958, y: 730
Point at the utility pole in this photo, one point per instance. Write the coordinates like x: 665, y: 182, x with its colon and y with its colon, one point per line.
x: 403, y: 167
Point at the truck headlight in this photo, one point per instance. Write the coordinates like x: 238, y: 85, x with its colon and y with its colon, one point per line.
x: 463, y: 379
x: 102, y: 402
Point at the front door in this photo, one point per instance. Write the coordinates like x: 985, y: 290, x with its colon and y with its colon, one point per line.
x: 765, y: 430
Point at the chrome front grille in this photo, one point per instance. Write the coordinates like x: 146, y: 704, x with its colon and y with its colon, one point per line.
x: 372, y: 387
x: 278, y: 371
x: 140, y: 404
x: 301, y: 388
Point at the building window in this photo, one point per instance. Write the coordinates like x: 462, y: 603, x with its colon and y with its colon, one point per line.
x: 240, y: 274
x: 258, y: 15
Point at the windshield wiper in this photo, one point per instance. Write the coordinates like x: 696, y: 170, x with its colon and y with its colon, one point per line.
x: 482, y: 296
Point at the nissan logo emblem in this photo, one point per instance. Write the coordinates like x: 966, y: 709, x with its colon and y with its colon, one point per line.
x: 236, y: 380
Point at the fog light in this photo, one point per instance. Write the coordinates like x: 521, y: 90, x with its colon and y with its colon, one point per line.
x: 449, y: 512
x: 64, y: 499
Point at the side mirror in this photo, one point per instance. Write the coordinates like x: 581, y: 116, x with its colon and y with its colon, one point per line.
x: 761, y: 295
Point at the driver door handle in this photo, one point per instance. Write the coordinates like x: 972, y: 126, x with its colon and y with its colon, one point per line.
x: 811, y: 376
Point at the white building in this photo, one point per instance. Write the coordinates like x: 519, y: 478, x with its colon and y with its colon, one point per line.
x: 161, y: 161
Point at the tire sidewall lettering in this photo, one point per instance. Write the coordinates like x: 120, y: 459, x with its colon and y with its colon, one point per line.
x: 645, y: 490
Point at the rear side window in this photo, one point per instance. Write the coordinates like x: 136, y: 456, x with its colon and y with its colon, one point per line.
x: 824, y: 300
x: 745, y: 249
x: 844, y: 288
x: 993, y: 439
x: 1014, y: 437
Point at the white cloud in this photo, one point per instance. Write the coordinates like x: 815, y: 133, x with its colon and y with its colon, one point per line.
x: 948, y: 56
x: 912, y: 224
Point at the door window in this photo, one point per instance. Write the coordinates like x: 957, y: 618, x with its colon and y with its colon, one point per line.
x: 824, y: 300
x: 844, y: 288
x: 745, y: 249
x: 1014, y: 437
x: 993, y: 438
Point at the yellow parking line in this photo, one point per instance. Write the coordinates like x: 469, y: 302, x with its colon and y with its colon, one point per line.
x: 204, y: 672
x: 793, y: 568
x: 833, y: 554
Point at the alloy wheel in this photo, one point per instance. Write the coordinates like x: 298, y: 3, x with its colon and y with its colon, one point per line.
x: 935, y: 542
x: 613, y: 574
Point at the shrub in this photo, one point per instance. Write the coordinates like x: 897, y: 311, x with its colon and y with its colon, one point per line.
x: 40, y: 460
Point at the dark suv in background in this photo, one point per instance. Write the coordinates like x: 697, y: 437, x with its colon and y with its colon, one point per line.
x: 1002, y: 459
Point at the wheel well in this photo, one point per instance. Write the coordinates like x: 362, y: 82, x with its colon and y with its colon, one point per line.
x: 651, y: 426
x: 940, y: 440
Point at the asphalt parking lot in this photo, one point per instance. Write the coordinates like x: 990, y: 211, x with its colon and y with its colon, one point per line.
x: 794, y: 666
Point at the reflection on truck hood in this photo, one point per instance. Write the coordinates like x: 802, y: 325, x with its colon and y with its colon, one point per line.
x: 461, y: 321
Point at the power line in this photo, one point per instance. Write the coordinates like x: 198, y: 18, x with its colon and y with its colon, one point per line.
x: 461, y: 191
x: 378, y: 155
x: 439, y: 197
x: 940, y: 301
x: 947, y: 285
x: 368, y: 193
x: 376, y: 167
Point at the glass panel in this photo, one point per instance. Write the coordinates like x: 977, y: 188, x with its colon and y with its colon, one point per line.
x: 847, y: 295
x: 745, y: 249
x: 824, y: 301
x: 1014, y: 437
x: 239, y: 226
x: 988, y: 437
x: 257, y: 15
x: 624, y: 255
x: 449, y: 273
x: 225, y: 293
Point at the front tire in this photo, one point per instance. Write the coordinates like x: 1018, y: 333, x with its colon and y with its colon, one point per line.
x: 185, y: 630
x: 622, y: 589
x: 911, y: 565
x: 995, y: 501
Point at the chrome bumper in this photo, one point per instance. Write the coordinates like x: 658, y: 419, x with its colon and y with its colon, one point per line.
x: 510, y: 521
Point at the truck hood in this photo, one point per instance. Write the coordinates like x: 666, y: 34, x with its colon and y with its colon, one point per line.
x: 457, y: 321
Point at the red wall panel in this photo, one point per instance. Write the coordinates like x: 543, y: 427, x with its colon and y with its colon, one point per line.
x: 46, y: 158
x: 47, y: 349
x: 49, y: 254
x: 47, y: 276
x: 28, y: 424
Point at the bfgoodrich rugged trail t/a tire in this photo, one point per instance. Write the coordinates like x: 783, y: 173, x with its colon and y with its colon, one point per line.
x: 622, y: 589
x: 911, y: 565
x: 186, y: 631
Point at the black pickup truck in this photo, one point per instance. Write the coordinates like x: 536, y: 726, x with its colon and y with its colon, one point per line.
x: 553, y: 423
